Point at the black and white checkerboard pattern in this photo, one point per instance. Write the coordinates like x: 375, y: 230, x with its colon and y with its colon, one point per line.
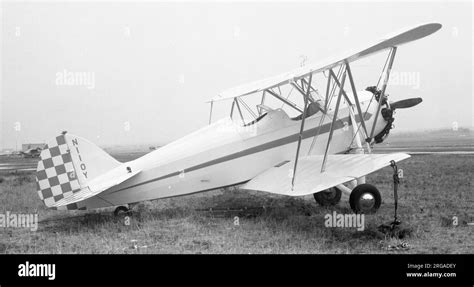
x: 55, y: 175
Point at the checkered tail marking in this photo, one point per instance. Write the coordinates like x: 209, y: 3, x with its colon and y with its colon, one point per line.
x: 55, y: 175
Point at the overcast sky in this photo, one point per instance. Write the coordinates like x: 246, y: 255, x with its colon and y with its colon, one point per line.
x: 150, y: 67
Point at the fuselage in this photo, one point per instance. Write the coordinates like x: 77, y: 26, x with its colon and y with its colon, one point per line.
x: 227, y: 153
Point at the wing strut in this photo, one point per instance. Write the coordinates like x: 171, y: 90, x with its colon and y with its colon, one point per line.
x: 359, y: 110
x: 293, y: 105
x: 331, y: 73
x: 313, y: 89
x: 327, y: 92
x: 210, y: 113
x: 240, y: 111
x: 262, y: 102
x: 232, y: 109
x: 247, y: 107
x: 386, y: 76
x: 341, y: 91
x: 303, y: 92
x: 301, y: 129
x: 356, y: 98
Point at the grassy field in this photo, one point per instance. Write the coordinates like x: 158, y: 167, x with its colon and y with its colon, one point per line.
x: 461, y: 139
x: 434, y: 189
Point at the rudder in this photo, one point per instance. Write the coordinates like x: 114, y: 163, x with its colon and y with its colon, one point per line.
x: 67, y: 166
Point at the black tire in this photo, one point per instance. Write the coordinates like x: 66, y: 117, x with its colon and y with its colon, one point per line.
x: 359, y: 205
x: 121, y: 210
x: 328, y: 197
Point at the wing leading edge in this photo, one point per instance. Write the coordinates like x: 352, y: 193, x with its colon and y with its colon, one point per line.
x: 339, y: 169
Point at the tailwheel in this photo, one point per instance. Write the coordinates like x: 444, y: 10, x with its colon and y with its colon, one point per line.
x: 328, y: 197
x: 365, y: 198
x: 121, y: 210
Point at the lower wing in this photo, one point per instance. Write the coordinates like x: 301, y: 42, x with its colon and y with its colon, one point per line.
x: 309, y: 179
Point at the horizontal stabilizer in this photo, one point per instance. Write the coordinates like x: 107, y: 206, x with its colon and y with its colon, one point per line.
x: 98, y: 185
x: 339, y: 169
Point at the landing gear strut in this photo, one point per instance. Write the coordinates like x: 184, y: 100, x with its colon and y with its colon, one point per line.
x: 329, y: 197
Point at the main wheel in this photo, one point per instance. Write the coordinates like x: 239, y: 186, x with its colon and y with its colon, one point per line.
x: 365, y: 198
x: 328, y: 197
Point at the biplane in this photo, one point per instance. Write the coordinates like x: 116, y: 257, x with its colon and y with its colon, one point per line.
x: 325, y: 148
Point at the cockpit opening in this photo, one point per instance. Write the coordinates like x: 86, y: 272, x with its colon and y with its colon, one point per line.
x: 312, y: 109
x: 256, y: 120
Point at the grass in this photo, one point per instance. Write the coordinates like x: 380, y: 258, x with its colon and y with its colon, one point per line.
x: 434, y: 189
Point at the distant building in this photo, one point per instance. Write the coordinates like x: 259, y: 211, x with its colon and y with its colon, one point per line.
x: 25, y: 147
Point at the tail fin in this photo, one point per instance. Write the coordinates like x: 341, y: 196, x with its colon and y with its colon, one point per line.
x: 72, y: 169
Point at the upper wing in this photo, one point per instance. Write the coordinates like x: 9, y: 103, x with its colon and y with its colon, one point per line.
x: 392, y: 40
x: 340, y: 168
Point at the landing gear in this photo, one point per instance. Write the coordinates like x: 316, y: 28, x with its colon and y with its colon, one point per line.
x: 365, y: 198
x: 328, y: 197
x: 121, y: 210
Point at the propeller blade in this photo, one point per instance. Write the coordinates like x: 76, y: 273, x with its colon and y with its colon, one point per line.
x: 407, y: 103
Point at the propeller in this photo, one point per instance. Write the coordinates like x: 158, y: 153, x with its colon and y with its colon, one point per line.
x: 404, y: 104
